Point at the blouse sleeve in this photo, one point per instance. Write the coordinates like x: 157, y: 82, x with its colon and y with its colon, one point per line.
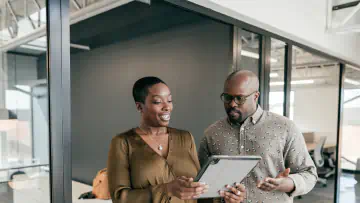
x: 193, y: 153
x: 119, y: 177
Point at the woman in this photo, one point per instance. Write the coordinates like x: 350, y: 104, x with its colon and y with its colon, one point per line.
x: 153, y: 162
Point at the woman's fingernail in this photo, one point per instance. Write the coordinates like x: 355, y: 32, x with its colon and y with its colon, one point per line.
x: 238, y: 192
x: 227, y: 186
x: 207, y: 186
x: 202, y: 183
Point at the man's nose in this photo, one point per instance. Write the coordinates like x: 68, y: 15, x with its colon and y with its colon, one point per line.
x: 233, y: 103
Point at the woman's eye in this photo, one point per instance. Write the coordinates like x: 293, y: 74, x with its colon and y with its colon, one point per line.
x: 170, y: 101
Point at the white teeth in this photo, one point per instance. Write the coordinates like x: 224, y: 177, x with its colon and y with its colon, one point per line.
x: 165, y: 117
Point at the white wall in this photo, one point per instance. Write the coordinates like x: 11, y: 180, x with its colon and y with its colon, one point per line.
x: 315, y: 110
x: 351, y: 116
x: 303, y: 21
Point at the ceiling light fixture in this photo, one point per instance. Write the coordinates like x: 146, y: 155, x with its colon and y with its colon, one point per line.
x: 26, y: 46
x: 255, y: 55
x: 295, y: 82
x: 352, y: 82
x: 302, y: 82
x: 274, y: 75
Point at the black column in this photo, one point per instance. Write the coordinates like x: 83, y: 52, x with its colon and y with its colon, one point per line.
x: 58, y: 71
x: 339, y: 133
x: 287, y: 79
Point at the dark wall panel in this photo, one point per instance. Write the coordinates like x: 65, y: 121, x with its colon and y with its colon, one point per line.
x: 193, y: 59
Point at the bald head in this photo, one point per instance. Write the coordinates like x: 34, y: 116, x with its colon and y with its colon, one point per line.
x: 241, y: 84
x: 246, y: 82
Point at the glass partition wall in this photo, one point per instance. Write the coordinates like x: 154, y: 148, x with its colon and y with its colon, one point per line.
x: 30, y: 119
x: 349, y: 184
x: 314, y: 109
x: 24, y: 104
x: 34, y: 125
x: 277, y: 77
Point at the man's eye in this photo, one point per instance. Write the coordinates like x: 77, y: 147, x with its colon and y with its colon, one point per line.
x: 156, y: 102
x: 170, y: 101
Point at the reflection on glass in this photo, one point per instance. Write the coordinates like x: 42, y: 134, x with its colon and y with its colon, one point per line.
x: 351, y: 119
x: 276, y: 102
x: 277, y: 64
x: 315, y: 85
x: 250, y: 51
x: 350, y: 151
x: 24, y: 126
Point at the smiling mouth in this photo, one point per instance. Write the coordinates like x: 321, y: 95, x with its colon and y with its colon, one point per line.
x: 165, y: 117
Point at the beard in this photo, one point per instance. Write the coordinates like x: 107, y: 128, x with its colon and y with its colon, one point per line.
x: 235, y: 116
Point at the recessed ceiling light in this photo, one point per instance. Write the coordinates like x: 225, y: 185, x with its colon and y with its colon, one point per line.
x: 274, y: 75
x: 255, y: 55
x: 295, y: 82
x: 350, y: 81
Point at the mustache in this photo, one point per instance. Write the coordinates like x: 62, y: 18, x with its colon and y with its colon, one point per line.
x: 232, y: 109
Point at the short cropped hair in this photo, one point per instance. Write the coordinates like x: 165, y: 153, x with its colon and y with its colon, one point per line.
x: 141, y: 87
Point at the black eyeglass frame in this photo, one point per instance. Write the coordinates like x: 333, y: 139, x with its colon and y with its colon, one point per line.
x: 239, y: 100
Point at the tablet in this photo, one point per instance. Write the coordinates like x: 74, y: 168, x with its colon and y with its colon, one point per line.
x: 222, y: 170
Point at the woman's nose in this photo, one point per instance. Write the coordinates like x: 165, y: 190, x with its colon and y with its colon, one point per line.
x: 166, y: 107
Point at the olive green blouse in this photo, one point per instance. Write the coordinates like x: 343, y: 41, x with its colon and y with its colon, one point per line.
x: 137, y: 173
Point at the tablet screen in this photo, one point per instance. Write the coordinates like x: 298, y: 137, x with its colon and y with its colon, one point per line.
x: 222, y: 170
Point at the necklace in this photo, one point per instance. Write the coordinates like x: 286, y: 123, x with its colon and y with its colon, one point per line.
x: 160, y: 147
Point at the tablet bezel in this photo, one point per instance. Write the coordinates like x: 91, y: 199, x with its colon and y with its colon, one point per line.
x: 216, y: 158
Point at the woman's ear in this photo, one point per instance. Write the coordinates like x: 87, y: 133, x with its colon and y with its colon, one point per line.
x: 138, y: 106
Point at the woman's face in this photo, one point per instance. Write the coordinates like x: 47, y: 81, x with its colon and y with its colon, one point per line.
x: 158, y: 105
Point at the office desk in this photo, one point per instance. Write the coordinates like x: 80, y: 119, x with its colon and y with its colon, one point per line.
x: 37, y: 191
x: 312, y: 146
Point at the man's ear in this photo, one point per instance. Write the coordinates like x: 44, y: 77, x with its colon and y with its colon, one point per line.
x: 256, y: 95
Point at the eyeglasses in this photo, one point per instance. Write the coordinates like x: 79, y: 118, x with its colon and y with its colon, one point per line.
x: 240, y: 100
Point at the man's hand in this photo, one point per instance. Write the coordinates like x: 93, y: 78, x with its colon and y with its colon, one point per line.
x: 282, y: 183
x: 235, y: 194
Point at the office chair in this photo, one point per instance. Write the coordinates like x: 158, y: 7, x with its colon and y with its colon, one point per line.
x: 330, y: 164
x: 318, y: 157
x: 319, y: 161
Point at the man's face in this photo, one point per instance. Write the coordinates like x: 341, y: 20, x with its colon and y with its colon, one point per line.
x: 238, y: 113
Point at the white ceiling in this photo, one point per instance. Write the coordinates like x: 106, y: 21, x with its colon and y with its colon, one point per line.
x: 21, y: 17
x: 346, y: 20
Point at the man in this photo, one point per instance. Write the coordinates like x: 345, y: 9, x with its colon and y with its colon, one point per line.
x: 286, y: 169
